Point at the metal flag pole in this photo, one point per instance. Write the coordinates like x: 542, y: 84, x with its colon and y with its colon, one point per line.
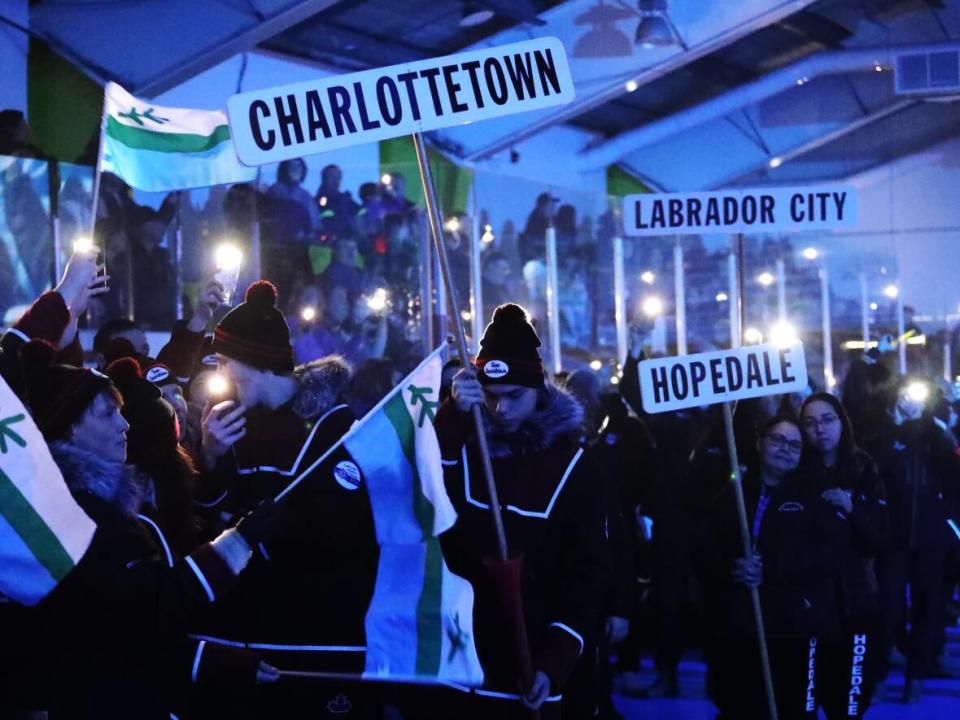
x: 733, y: 299
x: 553, y: 299
x: 476, y: 270
x: 620, y: 300
x: 901, y: 331
x: 680, y: 290
x: 738, y: 491
x: 506, y: 571
x: 864, y: 312
x: 436, y: 227
x: 781, y: 290
x: 827, y: 331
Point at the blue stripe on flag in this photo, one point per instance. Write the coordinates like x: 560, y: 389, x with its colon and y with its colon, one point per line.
x: 24, y: 578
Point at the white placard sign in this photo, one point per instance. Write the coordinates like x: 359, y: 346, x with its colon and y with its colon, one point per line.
x: 818, y: 207
x: 676, y: 383
x: 300, y: 119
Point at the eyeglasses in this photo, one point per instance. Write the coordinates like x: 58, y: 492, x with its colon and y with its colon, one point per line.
x: 816, y: 423
x: 779, y: 442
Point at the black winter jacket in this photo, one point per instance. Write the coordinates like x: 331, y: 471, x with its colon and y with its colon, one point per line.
x: 553, y: 513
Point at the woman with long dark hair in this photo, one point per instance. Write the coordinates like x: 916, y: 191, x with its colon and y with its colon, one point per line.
x: 847, y: 478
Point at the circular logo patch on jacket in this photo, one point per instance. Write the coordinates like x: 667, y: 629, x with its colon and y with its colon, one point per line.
x: 347, y: 475
x: 496, y: 369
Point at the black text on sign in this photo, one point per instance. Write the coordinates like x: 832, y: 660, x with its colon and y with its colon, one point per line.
x: 708, y: 378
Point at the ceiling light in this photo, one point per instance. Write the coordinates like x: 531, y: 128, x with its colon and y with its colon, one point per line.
x: 631, y: 86
x: 474, y: 15
x: 891, y: 291
x: 766, y: 279
x: 811, y: 253
x: 654, y: 30
x: 775, y: 162
x: 648, y: 277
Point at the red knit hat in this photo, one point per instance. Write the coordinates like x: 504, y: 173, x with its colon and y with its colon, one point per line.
x: 58, y: 395
x: 255, y: 332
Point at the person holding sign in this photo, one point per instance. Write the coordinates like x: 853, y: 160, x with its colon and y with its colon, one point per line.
x: 847, y: 478
x: 553, y: 515
x: 793, y: 531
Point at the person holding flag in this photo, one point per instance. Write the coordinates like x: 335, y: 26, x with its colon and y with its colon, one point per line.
x: 305, y: 596
x: 553, y: 516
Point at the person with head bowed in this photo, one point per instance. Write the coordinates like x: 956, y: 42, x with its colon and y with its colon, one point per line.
x: 552, y: 512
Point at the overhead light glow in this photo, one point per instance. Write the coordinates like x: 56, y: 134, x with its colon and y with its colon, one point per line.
x: 308, y: 313
x: 722, y: 297
x: 648, y: 277
x: 766, y: 279
x: 453, y: 224
x: 811, y: 253
x: 386, y: 179
x: 753, y: 336
x: 783, y: 335
x: 474, y: 15
x: 873, y: 306
x: 631, y: 85
x: 652, y: 306
x: 595, y: 365
x: 775, y: 162
x: 891, y: 291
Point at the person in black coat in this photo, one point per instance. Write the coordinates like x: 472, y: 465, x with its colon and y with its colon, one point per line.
x: 847, y: 478
x: 793, y: 531
x: 111, y: 640
x: 921, y: 471
x: 552, y: 511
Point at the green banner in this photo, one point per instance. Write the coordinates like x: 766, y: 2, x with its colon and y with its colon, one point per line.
x: 621, y: 183
x: 452, y: 181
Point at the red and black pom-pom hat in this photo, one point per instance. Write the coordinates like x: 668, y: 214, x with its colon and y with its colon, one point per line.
x: 255, y: 332
x: 508, y: 350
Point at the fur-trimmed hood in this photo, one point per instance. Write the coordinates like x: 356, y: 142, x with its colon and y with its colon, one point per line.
x: 123, y: 486
x: 321, y: 382
x: 560, y: 415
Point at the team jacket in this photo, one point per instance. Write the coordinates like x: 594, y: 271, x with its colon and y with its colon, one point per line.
x: 303, y: 600
x: 111, y: 640
x: 858, y: 591
x: 798, y: 534
x: 553, y: 512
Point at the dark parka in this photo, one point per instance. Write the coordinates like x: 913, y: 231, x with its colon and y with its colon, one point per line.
x: 553, y: 512
x: 310, y: 585
x: 112, y: 637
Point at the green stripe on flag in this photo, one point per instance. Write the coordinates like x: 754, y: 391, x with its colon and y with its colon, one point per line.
x: 25, y: 521
x: 429, y: 621
x: 143, y: 139
x: 396, y: 411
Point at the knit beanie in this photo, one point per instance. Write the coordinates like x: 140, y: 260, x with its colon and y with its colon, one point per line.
x: 255, y: 332
x: 508, y: 350
x: 152, y: 420
x: 58, y: 395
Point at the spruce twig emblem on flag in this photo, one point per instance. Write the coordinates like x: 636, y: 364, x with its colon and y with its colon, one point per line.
x: 6, y: 432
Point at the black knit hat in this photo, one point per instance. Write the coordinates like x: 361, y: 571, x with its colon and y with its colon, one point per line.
x: 508, y: 350
x: 58, y: 395
x: 255, y: 332
x: 152, y: 420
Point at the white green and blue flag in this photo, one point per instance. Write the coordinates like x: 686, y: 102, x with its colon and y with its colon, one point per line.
x: 420, y: 620
x: 158, y: 149
x: 43, y: 532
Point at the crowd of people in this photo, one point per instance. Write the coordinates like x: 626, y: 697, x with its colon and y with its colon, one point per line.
x: 200, y: 589
x: 627, y: 522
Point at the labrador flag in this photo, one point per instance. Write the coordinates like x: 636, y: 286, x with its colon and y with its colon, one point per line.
x: 43, y: 532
